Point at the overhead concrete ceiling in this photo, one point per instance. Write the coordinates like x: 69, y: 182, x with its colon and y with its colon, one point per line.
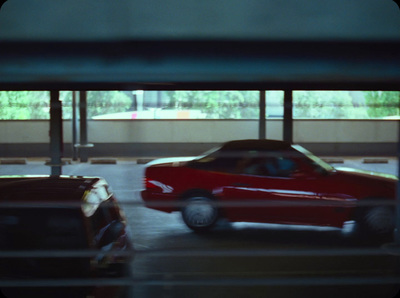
x: 172, y: 44
x: 78, y: 20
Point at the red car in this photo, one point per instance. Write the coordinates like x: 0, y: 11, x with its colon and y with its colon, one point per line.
x: 269, y: 181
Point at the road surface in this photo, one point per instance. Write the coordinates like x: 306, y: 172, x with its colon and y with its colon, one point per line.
x: 241, y: 259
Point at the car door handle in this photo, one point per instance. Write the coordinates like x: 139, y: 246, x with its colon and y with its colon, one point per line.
x: 240, y: 184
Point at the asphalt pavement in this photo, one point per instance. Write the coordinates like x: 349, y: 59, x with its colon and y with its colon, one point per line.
x: 240, y: 259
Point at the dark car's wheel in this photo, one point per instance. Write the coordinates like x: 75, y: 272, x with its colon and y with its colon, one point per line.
x: 376, y: 223
x: 199, y: 213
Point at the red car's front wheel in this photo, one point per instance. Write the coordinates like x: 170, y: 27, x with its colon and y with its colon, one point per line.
x: 376, y: 223
x: 199, y: 213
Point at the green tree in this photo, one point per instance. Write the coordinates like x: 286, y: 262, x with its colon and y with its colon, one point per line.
x: 382, y: 103
x: 325, y: 105
x: 106, y: 102
x: 66, y: 99
x: 99, y: 102
x: 217, y: 104
x: 39, y: 105
x: 20, y: 105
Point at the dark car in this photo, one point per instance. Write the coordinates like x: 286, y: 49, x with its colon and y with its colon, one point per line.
x: 269, y: 181
x: 61, y: 216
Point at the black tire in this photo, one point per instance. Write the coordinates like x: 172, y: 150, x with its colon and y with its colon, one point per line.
x: 199, y: 213
x: 376, y: 223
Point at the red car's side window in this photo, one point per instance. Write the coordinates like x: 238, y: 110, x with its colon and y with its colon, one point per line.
x: 271, y: 166
x: 250, y: 162
x: 224, y: 164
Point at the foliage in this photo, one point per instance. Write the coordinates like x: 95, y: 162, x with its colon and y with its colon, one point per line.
x: 236, y: 104
x: 382, y: 103
x: 245, y: 104
x: 66, y: 99
x: 98, y: 102
x: 325, y: 105
x: 217, y: 104
x: 20, y: 105
x: 106, y: 102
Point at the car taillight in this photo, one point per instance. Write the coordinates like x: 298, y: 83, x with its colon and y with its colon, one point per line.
x: 148, y: 184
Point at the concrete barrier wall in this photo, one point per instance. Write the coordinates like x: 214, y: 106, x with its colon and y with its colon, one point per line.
x: 345, y: 131
x: 166, y: 137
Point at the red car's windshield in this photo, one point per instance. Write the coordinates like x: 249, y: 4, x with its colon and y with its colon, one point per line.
x: 315, y: 161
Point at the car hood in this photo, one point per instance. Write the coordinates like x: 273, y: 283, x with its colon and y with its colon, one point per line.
x: 365, y: 183
x: 171, y: 161
x: 367, y: 174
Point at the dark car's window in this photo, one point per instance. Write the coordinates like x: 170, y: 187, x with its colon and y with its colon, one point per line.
x: 41, y: 228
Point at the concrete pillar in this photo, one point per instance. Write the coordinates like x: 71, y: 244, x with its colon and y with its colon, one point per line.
x: 288, y: 116
x: 56, y: 135
x: 262, y: 130
x: 83, y: 147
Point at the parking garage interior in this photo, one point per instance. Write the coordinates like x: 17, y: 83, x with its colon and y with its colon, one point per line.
x: 223, y: 45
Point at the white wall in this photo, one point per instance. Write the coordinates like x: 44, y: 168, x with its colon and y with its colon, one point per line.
x: 209, y: 131
x: 171, y: 131
x: 358, y: 131
x: 24, y: 131
x: 305, y: 131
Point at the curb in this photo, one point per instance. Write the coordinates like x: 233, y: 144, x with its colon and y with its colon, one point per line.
x: 13, y: 161
x: 142, y: 161
x: 64, y: 161
x: 375, y: 160
x: 104, y: 161
x: 333, y: 160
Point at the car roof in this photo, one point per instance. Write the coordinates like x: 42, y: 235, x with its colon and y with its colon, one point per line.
x: 45, y: 188
x: 255, y: 144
